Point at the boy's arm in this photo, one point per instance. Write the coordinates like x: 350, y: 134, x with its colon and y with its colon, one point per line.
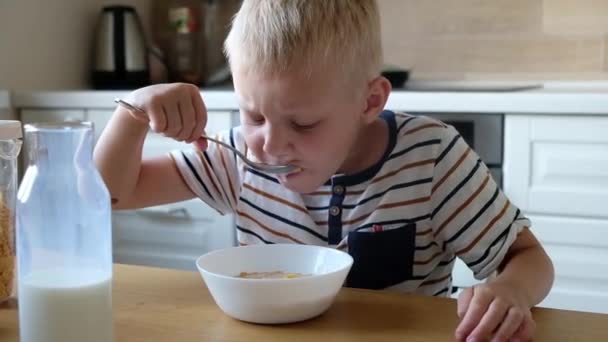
x: 525, y: 278
x: 527, y: 268
x: 134, y: 183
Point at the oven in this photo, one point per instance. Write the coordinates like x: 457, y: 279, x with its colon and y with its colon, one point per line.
x: 483, y: 132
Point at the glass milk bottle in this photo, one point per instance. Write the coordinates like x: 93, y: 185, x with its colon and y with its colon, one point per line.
x: 64, y: 240
x: 10, y: 145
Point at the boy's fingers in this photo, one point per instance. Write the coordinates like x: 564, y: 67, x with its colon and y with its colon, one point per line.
x: 477, y: 308
x: 526, y: 330
x: 201, y: 144
x: 510, y: 325
x: 158, y: 121
x: 464, y: 298
x: 174, y: 120
x: 491, y: 320
x: 200, y: 113
x: 187, y: 118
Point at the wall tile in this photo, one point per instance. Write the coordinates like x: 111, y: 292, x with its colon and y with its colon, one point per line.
x: 461, y: 16
x: 492, y: 54
x: 575, y: 16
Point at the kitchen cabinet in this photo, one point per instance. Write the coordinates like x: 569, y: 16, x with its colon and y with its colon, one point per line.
x: 556, y: 171
x: 172, y: 235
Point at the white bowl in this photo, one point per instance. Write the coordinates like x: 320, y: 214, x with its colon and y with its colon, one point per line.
x: 273, y: 301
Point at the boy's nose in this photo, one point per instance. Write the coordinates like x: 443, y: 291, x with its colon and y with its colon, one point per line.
x: 275, y: 142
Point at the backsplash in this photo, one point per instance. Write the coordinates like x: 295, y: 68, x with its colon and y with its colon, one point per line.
x: 497, y: 39
x: 437, y: 39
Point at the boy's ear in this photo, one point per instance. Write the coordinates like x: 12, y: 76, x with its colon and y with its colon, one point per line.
x: 378, y: 91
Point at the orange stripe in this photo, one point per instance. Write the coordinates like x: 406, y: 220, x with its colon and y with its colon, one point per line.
x: 228, y: 177
x: 275, y: 198
x: 404, y: 203
x: 435, y: 281
x: 388, y: 206
x: 485, y: 230
x: 451, y: 170
x: 413, y: 130
x: 464, y: 205
x: 424, y: 262
x: 424, y: 232
x: 384, y: 206
x: 404, y: 167
x: 242, y: 214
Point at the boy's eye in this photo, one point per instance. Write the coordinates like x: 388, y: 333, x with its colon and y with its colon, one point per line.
x: 303, y: 127
x: 256, y: 120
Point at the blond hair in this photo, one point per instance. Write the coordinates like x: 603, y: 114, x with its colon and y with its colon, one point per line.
x: 274, y: 36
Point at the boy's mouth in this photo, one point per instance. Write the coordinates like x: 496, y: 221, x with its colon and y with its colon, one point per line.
x: 286, y: 176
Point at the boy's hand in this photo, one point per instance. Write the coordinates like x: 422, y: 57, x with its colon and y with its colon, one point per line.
x: 494, y: 312
x: 174, y: 110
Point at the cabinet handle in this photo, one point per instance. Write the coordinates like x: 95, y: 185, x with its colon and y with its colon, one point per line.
x: 182, y: 212
x: 171, y: 212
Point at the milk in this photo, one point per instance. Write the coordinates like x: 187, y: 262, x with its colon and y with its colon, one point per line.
x: 66, y: 305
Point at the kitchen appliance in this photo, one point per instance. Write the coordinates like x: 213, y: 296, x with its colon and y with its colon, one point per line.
x: 483, y: 132
x: 396, y: 75
x: 191, y: 34
x: 120, y: 51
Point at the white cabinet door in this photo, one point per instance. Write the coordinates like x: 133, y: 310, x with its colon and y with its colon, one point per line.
x: 172, y: 235
x: 556, y: 171
x: 579, y: 250
x: 557, y: 165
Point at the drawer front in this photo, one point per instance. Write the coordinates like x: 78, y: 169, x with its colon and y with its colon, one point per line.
x: 171, y: 235
x: 558, y: 165
x: 579, y: 251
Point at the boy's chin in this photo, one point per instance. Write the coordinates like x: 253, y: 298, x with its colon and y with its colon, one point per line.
x: 301, y: 186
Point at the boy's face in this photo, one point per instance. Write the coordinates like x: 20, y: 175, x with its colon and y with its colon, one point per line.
x: 311, y: 123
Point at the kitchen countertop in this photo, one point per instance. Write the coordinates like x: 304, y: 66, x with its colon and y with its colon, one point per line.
x: 152, y: 304
x: 588, y: 98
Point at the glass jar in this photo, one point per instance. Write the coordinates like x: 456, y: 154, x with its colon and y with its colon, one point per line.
x: 184, y: 56
x: 10, y: 145
x: 64, y: 238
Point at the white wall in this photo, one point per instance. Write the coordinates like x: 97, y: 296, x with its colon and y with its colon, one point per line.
x: 46, y: 44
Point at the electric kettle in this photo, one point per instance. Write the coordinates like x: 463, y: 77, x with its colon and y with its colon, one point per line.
x: 120, y: 51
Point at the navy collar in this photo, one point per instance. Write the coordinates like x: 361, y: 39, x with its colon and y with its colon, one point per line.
x: 367, y: 174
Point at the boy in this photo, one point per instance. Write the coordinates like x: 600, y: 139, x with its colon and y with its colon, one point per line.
x: 404, y: 195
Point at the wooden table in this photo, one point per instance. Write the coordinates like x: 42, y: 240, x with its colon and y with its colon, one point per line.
x: 152, y: 305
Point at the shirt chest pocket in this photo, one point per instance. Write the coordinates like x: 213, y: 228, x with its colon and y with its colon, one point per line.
x: 381, y: 258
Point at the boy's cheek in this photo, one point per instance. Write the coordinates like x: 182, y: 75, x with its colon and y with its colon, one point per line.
x: 254, y: 143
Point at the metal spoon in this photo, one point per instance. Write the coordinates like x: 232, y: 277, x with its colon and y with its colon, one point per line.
x: 256, y: 165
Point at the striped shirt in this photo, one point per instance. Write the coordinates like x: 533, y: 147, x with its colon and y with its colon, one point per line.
x: 404, y: 220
